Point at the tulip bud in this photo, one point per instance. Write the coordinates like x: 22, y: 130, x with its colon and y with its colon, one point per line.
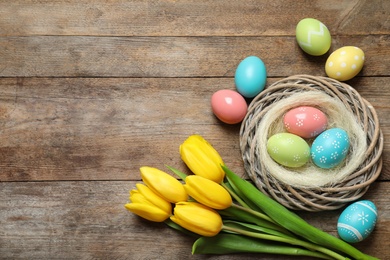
x: 207, y: 192
x: 163, y: 184
x: 202, y: 158
x: 151, y: 197
x: 197, y: 218
x: 148, y: 205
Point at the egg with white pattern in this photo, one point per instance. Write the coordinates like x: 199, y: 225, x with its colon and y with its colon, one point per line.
x: 313, y: 36
x: 344, y: 63
x: 330, y: 148
x: 288, y: 149
x: 357, y: 221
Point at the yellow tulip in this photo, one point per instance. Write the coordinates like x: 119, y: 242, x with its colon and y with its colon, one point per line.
x: 197, y: 218
x: 163, y: 184
x: 207, y: 192
x: 202, y: 158
x: 148, y: 205
x: 150, y: 196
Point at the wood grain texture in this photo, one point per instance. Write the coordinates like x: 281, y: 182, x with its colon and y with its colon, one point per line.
x: 87, y: 220
x: 99, y: 129
x: 189, y: 17
x: 79, y: 56
x: 92, y: 90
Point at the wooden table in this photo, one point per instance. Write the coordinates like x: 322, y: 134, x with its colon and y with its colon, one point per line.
x: 92, y: 90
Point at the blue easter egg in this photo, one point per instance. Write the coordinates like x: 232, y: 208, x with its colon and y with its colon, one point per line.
x: 250, y: 76
x: 330, y: 148
x: 357, y: 221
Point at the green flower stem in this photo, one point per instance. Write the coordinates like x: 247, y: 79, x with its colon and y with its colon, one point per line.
x: 245, y: 208
x: 245, y: 215
x: 234, y: 195
x: 238, y: 195
x: 296, y: 242
x: 253, y: 212
x: 290, y: 220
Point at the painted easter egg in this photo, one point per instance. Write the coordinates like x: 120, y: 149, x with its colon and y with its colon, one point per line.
x: 313, y: 36
x: 330, y: 148
x: 229, y: 106
x: 288, y: 149
x: 357, y: 221
x: 305, y: 121
x: 250, y: 76
x: 344, y: 63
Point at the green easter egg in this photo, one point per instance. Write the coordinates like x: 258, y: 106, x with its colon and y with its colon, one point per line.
x: 288, y: 149
x: 313, y: 36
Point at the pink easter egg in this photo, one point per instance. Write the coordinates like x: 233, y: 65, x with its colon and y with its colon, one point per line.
x: 305, y: 121
x: 229, y: 106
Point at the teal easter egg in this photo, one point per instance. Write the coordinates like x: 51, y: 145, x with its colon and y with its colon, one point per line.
x: 357, y: 221
x: 250, y: 76
x: 330, y: 148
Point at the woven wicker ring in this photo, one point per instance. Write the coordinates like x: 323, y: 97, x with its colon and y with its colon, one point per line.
x: 328, y: 197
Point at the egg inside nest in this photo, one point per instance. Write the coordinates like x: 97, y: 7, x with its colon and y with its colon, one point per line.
x: 310, y: 175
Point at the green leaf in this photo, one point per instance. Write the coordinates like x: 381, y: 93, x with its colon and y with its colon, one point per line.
x: 180, y: 174
x: 230, y: 243
x: 238, y: 214
x: 242, y: 196
x: 290, y: 220
x: 254, y: 228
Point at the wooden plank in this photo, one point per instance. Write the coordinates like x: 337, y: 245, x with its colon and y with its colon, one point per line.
x: 106, y: 128
x: 91, y: 91
x: 63, y: 56
x: 87, y: 220
x: 189, y: 18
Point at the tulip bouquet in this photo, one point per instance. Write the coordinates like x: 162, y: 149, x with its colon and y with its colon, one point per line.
x: 226, y: 213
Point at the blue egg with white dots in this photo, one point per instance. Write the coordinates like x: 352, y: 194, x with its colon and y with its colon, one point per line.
x: 357, y: 221
x: 330, y: 148
x: 250, y: 77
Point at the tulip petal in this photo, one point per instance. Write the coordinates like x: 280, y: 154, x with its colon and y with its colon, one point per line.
x: 137, y: 197
x: 197, y: 218
x: 153, y: 198
x: 207, y: 192
x: 163, y: 184
x: 151, y: 213
x: 202, y: 158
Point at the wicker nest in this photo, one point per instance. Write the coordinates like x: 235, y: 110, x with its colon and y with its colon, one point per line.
x: 327, y: 197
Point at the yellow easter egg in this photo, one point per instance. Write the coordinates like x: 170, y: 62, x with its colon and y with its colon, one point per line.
x: 344, y: 63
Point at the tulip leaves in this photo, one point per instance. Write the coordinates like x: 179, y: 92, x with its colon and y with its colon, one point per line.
x: 230, y: 243
x: 231, y: 226
x: 182, y: 175
x: 291, y: 221
x: 244, y: 215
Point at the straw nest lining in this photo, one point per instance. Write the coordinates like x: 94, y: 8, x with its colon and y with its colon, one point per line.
x: 310, y: 188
